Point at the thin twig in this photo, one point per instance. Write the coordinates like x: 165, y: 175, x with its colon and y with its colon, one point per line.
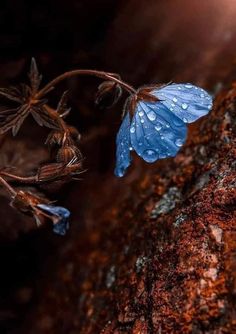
x: 21, y: 179
x: 69, y: 74
x: 7, y: 186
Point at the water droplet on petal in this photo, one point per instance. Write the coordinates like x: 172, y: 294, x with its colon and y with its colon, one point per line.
x: 152, y: 116
x: 202, y: 95
x: 184, y: 106
x: 150, y: 155
x: 185, y: 120
x: 131, y: 148
x: 132, y: 130
x: 162, y: 156
x: 167, y: 125
x: 142, y: 120
x: 209, y: 106
x: 141, y: 113
x: 188, y: 86
x: 179, y: 142
x: 172, y: 105
x: 175, y: 100
x: 158, y: 127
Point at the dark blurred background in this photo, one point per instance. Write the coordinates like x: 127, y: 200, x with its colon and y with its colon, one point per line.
x: 145, y: 42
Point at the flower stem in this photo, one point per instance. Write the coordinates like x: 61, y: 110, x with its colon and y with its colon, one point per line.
x: 99, y: 74
x: 21, y: 179
x: 7, y: 186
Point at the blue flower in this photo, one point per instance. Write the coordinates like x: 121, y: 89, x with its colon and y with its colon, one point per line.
x: 158, y: 128
x: 59, y: 216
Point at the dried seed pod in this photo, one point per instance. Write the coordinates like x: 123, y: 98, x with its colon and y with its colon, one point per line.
x: 68, y: 153
x: 40, y: 208
x: 55, y: 138
x: 74, y: 133
x: 26, y: 203
x: 50, y: 172
x: 56, y: 171
x: 108, y: 94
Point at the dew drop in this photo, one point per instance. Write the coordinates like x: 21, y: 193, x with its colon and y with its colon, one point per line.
x: 142, y: 120
x: 202, y: 95
x: 175, y: 100
x: 141, y: 113
x: 162, y: 155
x: 209, y: 106
x: 185, y: 120
x: 184, y: 106
x: 150, y: 155
x: 171, y: 109
x: 172, y: 105
x: 152, y: 116
x: 179, y: 142
x: 132, y: 130
x: 167, y: 125
x: 188, y: 86
x: 158, y: 127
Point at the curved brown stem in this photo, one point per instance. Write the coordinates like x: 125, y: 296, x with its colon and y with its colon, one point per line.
x: 7, y: 186
x: 99, y: 74
x: 21, y: 179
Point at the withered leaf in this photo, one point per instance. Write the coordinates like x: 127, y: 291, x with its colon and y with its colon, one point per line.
x: 34, y: 76
x: 41, y: 116
x: 62, y: 107
x: 13, y: 119
x: 12, y: 94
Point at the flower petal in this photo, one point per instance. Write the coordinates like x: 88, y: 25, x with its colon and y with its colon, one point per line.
x: 186, y: 101
x: 123, y: 157
x: 60, y: 217
x: 155, y: 132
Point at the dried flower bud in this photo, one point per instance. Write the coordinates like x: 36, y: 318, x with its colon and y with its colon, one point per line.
x: 74, y: 133
x: 26, y: 202
x: 55, y: 138
x: 108, y: 94
x: 68, y: 153
x: 40, y: 209
x: 56, y: 171
x: 50, y: 172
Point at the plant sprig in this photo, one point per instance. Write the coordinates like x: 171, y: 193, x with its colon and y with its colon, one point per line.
x: 63, y: 139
